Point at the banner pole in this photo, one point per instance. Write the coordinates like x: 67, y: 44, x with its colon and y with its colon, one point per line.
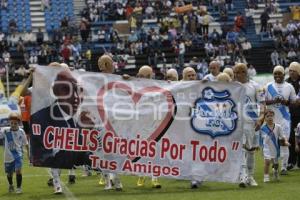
x: 7, y: 80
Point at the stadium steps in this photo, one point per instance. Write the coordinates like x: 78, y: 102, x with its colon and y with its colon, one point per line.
x: 284, y: 5
x: 56, y: 12
x: 79, y: 5
x: 240, y: 5
x: 37, y: 16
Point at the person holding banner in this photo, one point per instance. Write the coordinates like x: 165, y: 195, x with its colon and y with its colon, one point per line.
x: 105, y: 65
x: 147, y: 72
x: 279, y: 95
x: 189, y: 74
x: 15, y: 140
x: 25, y: 104
x: 271, y: 134
x: 54, y: 180
x: 253, y: 113
x: 224, y: 77
x: 229, y: 71
x: 172, y: 75
x: 62, y: 113
x: 214, y: 69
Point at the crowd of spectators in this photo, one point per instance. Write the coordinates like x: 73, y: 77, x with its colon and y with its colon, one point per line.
x: 269, y: 5
x: 62, y: 45
x: 176, y: 33
x: 181, y: 31
x: 287, y: 43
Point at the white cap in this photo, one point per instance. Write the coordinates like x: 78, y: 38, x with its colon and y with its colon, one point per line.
x: 278, y: 68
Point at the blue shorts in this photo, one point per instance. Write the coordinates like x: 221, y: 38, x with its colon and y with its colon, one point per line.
x: 13, y: 166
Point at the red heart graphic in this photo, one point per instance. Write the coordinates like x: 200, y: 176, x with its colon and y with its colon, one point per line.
x: 136, y: 96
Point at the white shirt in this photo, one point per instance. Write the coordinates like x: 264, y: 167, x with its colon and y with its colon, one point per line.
x: 101, y: 34
x: 181, y: 48
x: 120, y: 11
x: 251, y: 72
x: 246, y: 45
x: 210, y: 77
x: 6, y: 56
x: 149, y: 10
x: 269, y: 148
x: 254, y: 97
x: 2, y: 36
x: 14, y: 142
x: 274, y: 55
x: 277, y: 27
x: 209, y: 47
x: 291, y: 54
x: 28, y: 37
x: 291, y: 27
x: 297, y: 132
x: 282, y: 113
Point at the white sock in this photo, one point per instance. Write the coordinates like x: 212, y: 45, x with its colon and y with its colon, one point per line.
x: 266, y: 176
x: 72, y: 172
x: 250, y: 163
x: 284, y: 153
x: 56, y: 179
x: 243, y: 168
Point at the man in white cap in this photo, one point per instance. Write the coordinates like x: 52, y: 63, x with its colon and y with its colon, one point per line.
x: 105, y: 65
x: 147, y: 73
x: 229, y: 71
x: 172, y: 75
x: 52, y: 157
x: 189, y: 74
x: 279, y: 95
x: 294, y: 80
x: 224, y: 77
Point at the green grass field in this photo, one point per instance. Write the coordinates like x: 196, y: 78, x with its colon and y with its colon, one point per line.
x: 87, y: 188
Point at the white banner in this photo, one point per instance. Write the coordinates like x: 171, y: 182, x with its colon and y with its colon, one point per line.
x: 183, y: 130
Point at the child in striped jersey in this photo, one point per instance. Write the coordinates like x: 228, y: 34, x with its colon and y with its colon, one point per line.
x: 15, y: 140
x: 272, y: 138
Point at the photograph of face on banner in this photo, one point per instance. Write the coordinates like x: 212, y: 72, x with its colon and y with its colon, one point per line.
x: 63, y: 112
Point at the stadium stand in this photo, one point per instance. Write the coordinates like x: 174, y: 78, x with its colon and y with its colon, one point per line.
x: 147, y: 33
x: 15, y: 16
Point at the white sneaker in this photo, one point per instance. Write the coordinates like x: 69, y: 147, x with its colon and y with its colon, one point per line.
x: 11, y: 189
x: 19, y: 190
x: 243, y: 182
x: 251, y: 181
x: 85, y: 174
x: 58, y: 190
x: 108, y: 185
x: 266, y: 178
x: 118, y: 184
x: 195, y: 184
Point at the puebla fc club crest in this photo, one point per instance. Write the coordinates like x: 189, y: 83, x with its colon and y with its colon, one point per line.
x: 214, y: 113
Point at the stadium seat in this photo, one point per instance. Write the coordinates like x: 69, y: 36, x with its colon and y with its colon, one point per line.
x: 59, y: 10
